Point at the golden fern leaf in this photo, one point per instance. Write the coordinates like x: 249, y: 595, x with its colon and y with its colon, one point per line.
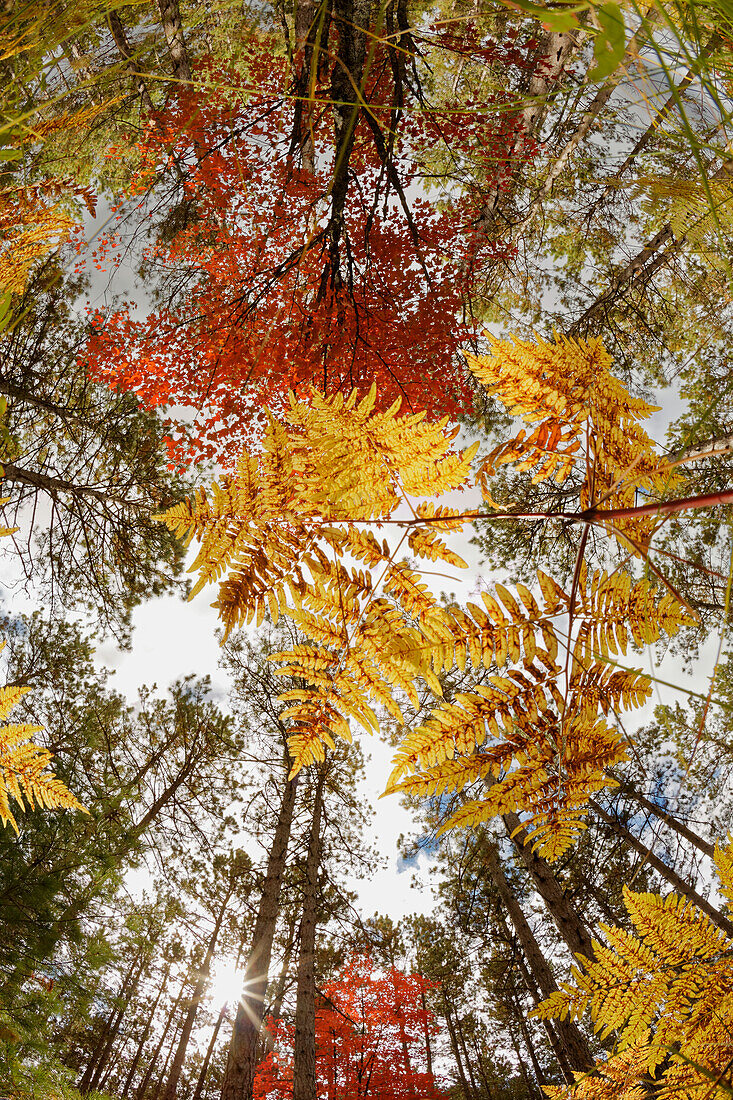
x: 278, y: 533
x: 666, y: 989
x: 274, y: 535
x: 694, y: 212
x: 29, y: 231
x: 601, y: 687
x: 614, y: 610
x: 549, y: 784
x: 724, y: 865
x: 585, y: 419
x: 23, y: 764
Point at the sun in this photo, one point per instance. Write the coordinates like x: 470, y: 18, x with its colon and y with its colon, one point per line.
x: 226, y: 982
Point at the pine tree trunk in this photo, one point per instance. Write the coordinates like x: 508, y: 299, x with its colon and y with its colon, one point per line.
x: 469, y: 1065
x: 242, y: 1058
x: 144, y: 1036
x: 143, y: 1086
x: 568, y: 922
x: 159, y: 1086
x: 482, y: 1072
x: 98, y: 1059
x: 171, y: 19
x: 304, y: 1052
x: 531, y: 1090
x: 67, y: 919
x: 209, y: 1052
x: 174, y: 1077
x: 455, y: 1048
x: 630, y: 791
x: 675, y: 881
x: 282, y: 981
x: 428, y: 1045
x: 536, y: 1067
x: 97, y: 1076
x: 575, y: 1046
x: 553, y: 1038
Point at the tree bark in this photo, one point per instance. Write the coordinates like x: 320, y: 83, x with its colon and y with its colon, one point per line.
x: 144, y: 1035
x: 469, y: 1066
x: 310, y: 24
x: 159, y: 1086
x: 588, y: 119
x: 241, y: 1062
x: 279, y: 992
x: 528, y: 1042
x: 637, y: 270
x: 568, y: 922
x: 304, y: 1052
x: 675, y: 881
x: 143, y: 1086
x: 174, y: 1077
x: 574, y: 1044
x: 531, y: 1090
x: 123, y: 46
x: 209, y: 1051
x: 630, y: 791
x: 455, y: 1048
x: 428, y: 1045
x: 554, y: 52
x: 552, y: 1036
x: 101, y: 1053
x: 170, y: 16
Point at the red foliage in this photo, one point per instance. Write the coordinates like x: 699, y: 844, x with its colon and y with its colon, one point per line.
x: 265, y: 297
x: 371, y: 1031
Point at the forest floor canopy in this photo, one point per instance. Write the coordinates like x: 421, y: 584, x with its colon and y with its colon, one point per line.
x: 317, y: 300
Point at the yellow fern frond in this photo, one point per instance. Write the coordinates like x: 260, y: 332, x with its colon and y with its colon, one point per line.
x: 23, y: 764
x: 666, y: 990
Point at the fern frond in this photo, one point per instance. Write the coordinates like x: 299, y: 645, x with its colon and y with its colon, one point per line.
x: 666, y: 989
x: 23, y: 764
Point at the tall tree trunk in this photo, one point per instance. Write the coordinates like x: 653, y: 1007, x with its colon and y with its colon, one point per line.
x: 552, y: 1035
x: 637, y: 272
x: 111, y: 1025
x: 568, y: 922
x: 67, y: 919
x: 143, y: 1086
x: 529, y: 1086
x: 469, y: 1065
x: 311, y: 32
x: 630, y: 791
x: 174, y: 1077
x: 120, y: 40
x: 144, y: 1035
x: 170, y: 16
x: 554, y: 53
x: 209, y: 1051
x: 528, y: 1042
x: 101, y: 1065
x: 241, y: 1062
x: 304, y: 1052
x: 487, y: 1086
x: 447, y: 1013
x: 574, y: 1044
x: 159, y: 1086
x: 276, y: 1004
x: 675, y: 881
x: 428, y: 1045
x: 588, y: 119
